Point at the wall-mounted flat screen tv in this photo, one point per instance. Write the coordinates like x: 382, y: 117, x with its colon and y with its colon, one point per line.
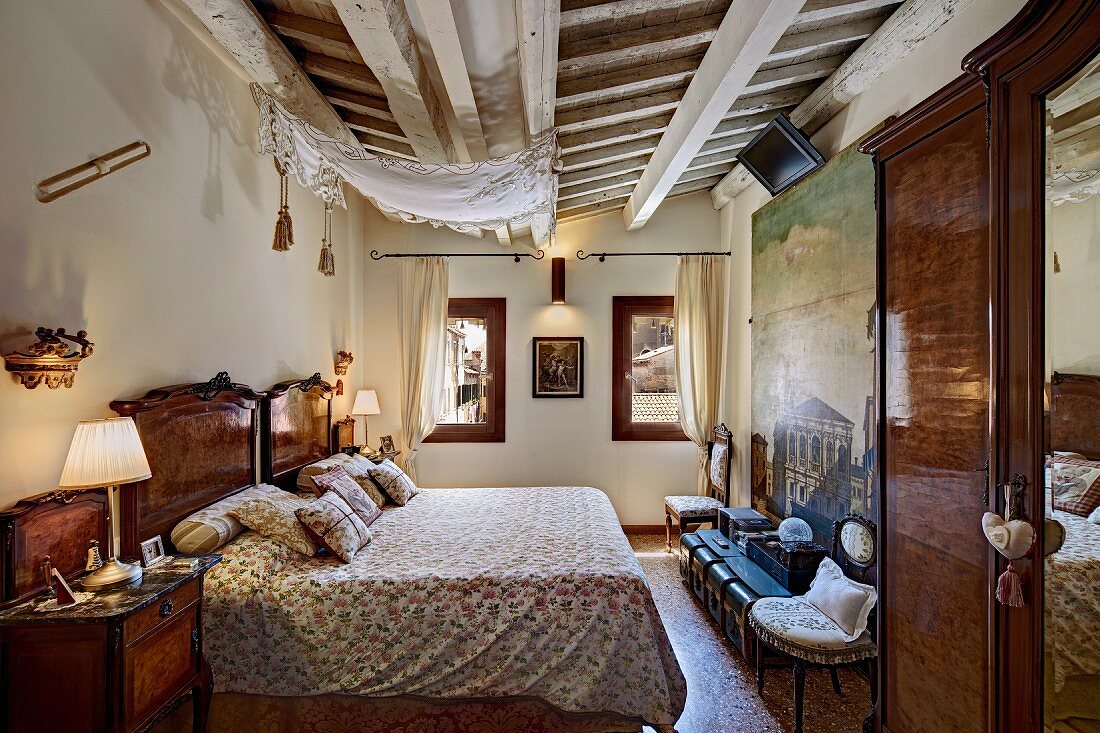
x: 780, y: 155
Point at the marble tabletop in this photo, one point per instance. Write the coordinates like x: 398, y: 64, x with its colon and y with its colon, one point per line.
x: 117, y: 602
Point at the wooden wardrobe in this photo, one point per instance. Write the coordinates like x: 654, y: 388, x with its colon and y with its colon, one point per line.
x: 960, y: 196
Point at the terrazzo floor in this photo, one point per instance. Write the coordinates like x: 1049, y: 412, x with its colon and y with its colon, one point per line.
x: 721, y: 683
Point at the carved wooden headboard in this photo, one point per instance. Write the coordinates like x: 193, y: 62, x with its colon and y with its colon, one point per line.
x: 1075, y: 414
x: 200, y: 440
x: 59, y: 524
x: 296, y: 420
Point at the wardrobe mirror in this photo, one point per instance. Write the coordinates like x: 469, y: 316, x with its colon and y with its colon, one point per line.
x: 1072, y: 406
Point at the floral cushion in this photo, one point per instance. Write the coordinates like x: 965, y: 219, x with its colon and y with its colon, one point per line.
x: 718, y: 465
x: 305, y: 476
x: 693, y: 506
x: 794, y: 627
x: 393, y: 482
x: 357, y: 466
x: 339, y: 481
x: 332, y: 523
x: 1075, y: 484
x: 275, y: 518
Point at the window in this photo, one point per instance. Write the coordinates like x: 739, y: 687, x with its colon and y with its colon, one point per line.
x: 473, y: 384
x: 644, y: 404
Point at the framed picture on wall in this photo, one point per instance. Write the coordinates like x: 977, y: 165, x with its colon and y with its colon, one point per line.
x: 557, y: 366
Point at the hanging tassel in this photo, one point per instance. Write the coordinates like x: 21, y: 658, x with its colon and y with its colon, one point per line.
x: 327, y: 264
x: 1010, y: 591
x: 284, y: 226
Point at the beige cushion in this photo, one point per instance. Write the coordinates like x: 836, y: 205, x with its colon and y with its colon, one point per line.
x: 693, y: 506
x: 276, y: 518
x: 338, y: 481
x: 208, y: 529
x: 393, y: 482
x: 305, y: 476
x: 794, y: 627
x: 334, y: 525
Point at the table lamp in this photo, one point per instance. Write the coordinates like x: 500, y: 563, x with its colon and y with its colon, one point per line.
x: 366, y: 403
x: 106, y: 453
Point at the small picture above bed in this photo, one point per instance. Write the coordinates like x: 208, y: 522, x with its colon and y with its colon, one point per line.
x: 394, y: 482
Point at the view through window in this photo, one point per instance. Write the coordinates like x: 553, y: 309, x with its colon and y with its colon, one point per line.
x: 653, y: 370
x: 465, y: 385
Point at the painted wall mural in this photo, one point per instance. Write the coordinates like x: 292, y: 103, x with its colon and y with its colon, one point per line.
x: 813, y: 303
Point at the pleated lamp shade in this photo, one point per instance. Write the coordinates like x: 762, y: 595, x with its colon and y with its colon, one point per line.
x: 105, y: 453
x: 366, y: 403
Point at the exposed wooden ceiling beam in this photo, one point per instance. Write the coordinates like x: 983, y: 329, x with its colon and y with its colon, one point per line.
x: 385, y: 146
x: 441, y: 36
x: 614, y: 134
x: 620, y: 48
x: 244, y: 34
x: 740, y: 46
x: 586, y: 175
x: 587, y: 212
x: 357, y: 77
x: 903, y: 31
x: 375, y: 126
x: 609, y: 11
x: 384, y: 37
x: 690, y: 186
x: 824, y: 11
x: 769, y: 101
x: 590, y: 89
x: 537, y: 25
x: 603, y: 184
x: 823, y: 41
x: 624, y: 110
x: 364, y: 104
x: 710, y: 171
x: 613, y: 194
x: 304, y: 28
x: 783, y: 76
x: 609, y: 154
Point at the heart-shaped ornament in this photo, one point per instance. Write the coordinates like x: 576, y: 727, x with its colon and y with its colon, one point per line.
x: 1012, y: 539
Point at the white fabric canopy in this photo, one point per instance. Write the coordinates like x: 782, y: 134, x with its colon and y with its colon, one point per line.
x: 516, y: 189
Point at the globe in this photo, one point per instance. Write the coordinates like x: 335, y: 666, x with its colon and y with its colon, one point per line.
x: 793, y: 529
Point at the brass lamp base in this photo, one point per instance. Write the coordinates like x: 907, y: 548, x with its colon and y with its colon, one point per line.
x: 112, y: 575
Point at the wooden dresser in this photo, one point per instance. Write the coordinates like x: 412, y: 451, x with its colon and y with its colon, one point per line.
x: 118, y: 661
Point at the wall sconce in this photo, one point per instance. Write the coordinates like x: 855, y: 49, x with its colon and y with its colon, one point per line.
x: 47, y: 361
x: 557, y: 280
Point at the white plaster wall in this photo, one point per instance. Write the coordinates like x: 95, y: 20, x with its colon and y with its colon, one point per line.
x: 168, y: 263
x: 1074, y: 338
x: 548, y: 441
x: 925, y: 70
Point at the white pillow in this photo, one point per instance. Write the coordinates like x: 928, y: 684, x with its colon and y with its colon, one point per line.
x: 1095, y: 516
x: 208, y: 529
x: 845, y: 601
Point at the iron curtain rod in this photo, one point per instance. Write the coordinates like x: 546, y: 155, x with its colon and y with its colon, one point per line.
x: 538, y: 255
x: 604, y: 255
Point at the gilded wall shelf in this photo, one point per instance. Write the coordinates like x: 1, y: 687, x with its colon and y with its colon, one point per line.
x: 49, y: 361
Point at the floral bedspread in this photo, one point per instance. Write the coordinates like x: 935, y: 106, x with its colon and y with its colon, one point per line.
x: 463, y: 593
x: 1073, y: 599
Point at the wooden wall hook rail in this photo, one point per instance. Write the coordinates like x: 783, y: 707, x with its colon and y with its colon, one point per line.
x: 100, y: 167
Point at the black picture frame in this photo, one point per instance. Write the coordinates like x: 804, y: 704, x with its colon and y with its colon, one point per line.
x: 543, y: 348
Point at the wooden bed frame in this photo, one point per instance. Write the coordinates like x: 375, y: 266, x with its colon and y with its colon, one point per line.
x: 295, y: 428
x: 1073, y: 419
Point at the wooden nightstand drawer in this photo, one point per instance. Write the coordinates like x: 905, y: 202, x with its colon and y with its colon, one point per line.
x: 160, y: 612
x: 160, y: 665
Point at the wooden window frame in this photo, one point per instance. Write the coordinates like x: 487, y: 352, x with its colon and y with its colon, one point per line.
x: 623, y: 309
x: 494, y: 312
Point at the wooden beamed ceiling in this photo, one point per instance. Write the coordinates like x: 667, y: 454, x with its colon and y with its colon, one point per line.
x: 611, y: 75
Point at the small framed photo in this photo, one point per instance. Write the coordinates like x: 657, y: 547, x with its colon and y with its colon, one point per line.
x: 152, y: 551
x: 558, y: 367
x: 386, y: 446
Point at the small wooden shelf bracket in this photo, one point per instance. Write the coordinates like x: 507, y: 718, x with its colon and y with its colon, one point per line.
x: 93, y: 170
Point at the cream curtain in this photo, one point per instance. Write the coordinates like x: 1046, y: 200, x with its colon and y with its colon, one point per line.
x: 699, y: 315
x: 422, y: 323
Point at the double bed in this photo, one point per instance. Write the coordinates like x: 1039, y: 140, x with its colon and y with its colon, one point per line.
x: 1072, y: 574
x: 471, y: 609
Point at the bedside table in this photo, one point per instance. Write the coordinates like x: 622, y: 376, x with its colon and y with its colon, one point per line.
x: 118, y: 661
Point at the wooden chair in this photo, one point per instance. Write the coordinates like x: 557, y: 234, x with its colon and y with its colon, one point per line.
x: 697, y: 510
x: 805, y: 637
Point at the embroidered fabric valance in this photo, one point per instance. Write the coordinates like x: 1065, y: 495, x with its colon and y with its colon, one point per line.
x: 515, y: 189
